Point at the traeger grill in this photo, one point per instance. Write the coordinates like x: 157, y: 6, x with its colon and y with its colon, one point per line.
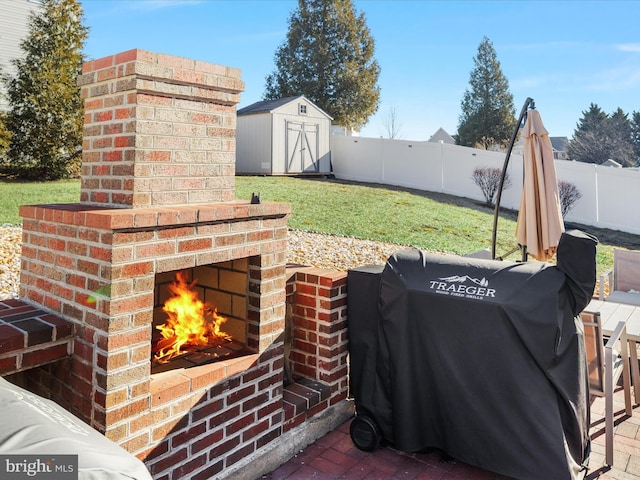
x: 482, y: 359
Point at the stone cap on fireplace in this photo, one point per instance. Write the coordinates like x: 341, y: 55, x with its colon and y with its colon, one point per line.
x: 142, y: 70
x: 79, y: 214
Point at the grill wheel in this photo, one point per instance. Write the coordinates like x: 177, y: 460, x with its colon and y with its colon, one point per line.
x: 365, y: 433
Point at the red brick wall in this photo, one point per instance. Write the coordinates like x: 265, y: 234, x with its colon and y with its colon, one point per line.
x: 320, y: 344
x: 206, y: 419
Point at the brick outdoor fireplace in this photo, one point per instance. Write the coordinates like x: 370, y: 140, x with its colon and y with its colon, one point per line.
x: 158, y: 198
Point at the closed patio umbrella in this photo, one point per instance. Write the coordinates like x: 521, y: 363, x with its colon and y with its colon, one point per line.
x: 540, y: 223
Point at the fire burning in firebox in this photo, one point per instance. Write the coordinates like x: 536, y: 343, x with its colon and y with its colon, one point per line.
x: 191, y: 323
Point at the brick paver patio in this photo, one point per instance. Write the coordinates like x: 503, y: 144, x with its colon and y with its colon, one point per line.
x: 334, y: 456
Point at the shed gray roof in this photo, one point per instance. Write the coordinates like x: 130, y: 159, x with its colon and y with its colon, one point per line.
x: 266, y: 105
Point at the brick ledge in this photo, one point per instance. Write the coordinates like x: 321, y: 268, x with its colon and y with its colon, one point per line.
x: 30, y: 337
x: 303, y: 399
x: 86, y: 215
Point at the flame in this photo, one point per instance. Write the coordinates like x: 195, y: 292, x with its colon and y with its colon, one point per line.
x: 191, y: 322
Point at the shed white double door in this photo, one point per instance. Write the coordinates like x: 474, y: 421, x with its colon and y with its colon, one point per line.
x: 302, y: 147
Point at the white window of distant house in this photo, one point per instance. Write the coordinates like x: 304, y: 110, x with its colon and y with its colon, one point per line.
x: 302, y: 109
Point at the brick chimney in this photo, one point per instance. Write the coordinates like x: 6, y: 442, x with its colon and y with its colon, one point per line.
x: 159, y: 130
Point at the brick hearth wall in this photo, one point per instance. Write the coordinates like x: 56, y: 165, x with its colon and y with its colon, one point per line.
x: 319, y: 301
x: 197, y: 422
x: 319, y: 349
x: 103, y: 279
x: 202, y: 425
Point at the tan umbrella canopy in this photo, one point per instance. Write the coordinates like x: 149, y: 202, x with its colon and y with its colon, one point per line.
x: 540, y: 223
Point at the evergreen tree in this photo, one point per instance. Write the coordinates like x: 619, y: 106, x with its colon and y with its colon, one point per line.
x: 328, y: 56
x: 599, y: 137
x: 620, y: 132
x: 587, y: 143
x: 5, y: 136
x: 592, y: 119
x: 45, y: 117
x: 488, y: 114
x: 635, y: 135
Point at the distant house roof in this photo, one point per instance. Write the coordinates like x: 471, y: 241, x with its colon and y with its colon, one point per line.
x: 265, y: 106
x: 441, y: 135
x: 559, y: 144
x: 611, y: 163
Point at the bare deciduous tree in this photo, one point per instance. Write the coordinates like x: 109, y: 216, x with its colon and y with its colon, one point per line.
x: 569, y: 195
x: 391, y: 123
x: 488, y: 179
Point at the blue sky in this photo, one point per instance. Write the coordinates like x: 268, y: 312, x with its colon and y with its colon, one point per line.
x: 563, y: 54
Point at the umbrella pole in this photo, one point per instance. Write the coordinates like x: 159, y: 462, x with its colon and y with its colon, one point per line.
x: 527, y: 103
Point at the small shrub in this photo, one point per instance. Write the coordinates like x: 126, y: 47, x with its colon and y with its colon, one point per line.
x: 569, y: 195
x: 488, y: 179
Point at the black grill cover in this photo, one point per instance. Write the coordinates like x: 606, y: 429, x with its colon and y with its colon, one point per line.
x: 483, y: 359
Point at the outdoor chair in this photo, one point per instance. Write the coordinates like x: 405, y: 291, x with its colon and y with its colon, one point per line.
x: 623, y: 279
x: 605, y: 366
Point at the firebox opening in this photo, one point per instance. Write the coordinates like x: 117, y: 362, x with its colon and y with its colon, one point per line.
x: 212, y: 299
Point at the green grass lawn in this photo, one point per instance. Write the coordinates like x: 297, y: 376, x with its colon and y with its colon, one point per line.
x: 15, y: 193
x: 432, y: 221
x: 383, y: 213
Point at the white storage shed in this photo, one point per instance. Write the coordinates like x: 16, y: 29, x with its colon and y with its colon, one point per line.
x: 287, y: 136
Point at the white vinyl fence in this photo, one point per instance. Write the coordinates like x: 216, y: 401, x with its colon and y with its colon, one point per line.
x: 610, y: 196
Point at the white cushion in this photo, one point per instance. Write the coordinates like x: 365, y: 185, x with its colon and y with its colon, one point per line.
x: 32, y: 425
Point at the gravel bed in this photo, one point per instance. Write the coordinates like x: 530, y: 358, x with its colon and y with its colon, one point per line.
x: 335, y: 252
x: 305, y: 248
x: 10, y: 247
